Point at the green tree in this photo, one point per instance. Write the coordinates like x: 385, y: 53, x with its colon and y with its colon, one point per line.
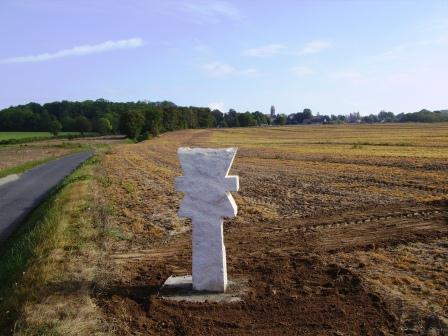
x: 246, y: 119
x: 153, y: 119
x: 386, y: 116
x: 231, y: 118
x: 55, y: 127
x: 280, y: 119
x: 218, y: 118
x: 114, y: 120
x: 132, y: 122
x: 83, y: 124
x: 205, y: 117
x: 307, y: 114
x: 68, y: 124
x: 260, y: 118
x: 104, y: 126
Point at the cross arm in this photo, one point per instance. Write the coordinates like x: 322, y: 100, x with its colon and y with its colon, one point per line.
x: 228, y: 183
x: 232, y: 183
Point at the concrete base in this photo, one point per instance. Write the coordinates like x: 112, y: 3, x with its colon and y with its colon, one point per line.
x: 180, y: 288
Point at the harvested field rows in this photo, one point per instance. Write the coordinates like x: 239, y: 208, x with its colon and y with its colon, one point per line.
x: 333, y: 238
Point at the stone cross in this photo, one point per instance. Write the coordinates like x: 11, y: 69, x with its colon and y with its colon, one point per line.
x: 207, y: 200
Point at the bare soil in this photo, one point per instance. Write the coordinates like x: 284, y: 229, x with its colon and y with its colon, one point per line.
x: 330, y: 243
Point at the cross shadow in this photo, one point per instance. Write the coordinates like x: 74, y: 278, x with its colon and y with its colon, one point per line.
x: 141, y: 294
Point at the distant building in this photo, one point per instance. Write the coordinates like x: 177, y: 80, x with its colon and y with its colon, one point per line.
x: 271, y: 116
x: 353, y: 118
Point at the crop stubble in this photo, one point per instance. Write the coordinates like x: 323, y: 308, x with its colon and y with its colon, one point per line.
x: 338, y: 240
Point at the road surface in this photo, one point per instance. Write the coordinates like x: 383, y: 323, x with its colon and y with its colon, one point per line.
x: 21, y: 195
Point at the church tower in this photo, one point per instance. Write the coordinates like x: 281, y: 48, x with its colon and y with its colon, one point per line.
x: 272, y: 111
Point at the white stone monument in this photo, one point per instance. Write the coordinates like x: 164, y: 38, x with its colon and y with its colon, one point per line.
x: 207, y: 200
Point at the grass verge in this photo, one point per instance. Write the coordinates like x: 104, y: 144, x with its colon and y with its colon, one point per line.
x: 74, y: 147
x: 24, y: 167
x: 47, y: 265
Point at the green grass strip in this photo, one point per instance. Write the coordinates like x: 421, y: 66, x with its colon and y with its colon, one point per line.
x: 24, y: 167
x: 75, y: 147
x: 34, y: 240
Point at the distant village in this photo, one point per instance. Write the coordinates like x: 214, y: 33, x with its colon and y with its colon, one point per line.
x: 306, y: 117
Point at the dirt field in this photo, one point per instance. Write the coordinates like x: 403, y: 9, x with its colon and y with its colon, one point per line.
x: 341, y: 230
x: 15, y: 155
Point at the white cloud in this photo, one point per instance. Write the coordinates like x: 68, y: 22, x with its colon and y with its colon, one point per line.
x: 216, y: 106
x: 302, y: 71
x: 219, y: 69
x: 82, y: 50
x: 314, y: 47
x: 265, y: 51
x: 210, y: 11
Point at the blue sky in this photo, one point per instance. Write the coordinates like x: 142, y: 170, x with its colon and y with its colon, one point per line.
x: 334, y: 57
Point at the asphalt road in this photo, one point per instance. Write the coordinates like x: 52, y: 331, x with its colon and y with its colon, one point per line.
x: 20, y: 196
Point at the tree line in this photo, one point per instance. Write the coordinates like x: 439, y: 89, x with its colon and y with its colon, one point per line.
x: 307, y: 117
x: 140, y: 120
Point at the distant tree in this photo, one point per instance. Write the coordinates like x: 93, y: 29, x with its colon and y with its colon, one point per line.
x: 114, y: 120
x: 218, y: 118
x: 246, y: 119
x: 172, y: 116
x: 231, y: 118
x: 423, y: 116
x: 280, y: 119
x: 260, y: 118
x: 307, y: 114
x: 55, y: 127
x: 205, y: 118
x: 132, y: 122
x: 68, y: 124
x: 299, y: 117
x: 153, y: 119
x: 386, y: 116
x: 83, y: 125
x: 104, y: 126
x: 370, y: 119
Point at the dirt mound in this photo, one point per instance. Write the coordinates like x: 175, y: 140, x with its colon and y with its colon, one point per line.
x: 289, y: 294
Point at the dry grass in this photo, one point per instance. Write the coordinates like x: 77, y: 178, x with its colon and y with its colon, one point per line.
x: 341, y: 185
x: 54, y: 294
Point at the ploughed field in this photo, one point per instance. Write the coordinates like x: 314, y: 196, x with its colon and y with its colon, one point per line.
x: 341, y: 230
